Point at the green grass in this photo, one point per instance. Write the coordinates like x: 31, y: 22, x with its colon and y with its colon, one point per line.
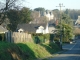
x: 39, y: 50
x: 34, y: 50
x: 26, y: 51
x: 4, y: 51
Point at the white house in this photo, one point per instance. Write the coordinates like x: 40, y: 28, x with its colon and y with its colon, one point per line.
x: 32, y: 28
x: 35, y: 28
x: 48, y: 14
x: 78, y: 20
x: 40, y: 29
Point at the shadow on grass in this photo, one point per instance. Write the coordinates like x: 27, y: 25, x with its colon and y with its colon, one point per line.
x: 11, y: 51
x: 51, y: 48
x: 26, y: 51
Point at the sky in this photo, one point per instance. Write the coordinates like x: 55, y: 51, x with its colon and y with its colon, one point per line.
x: 51, y: 4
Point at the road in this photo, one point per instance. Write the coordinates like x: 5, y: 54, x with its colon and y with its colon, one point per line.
x: 72, y: 53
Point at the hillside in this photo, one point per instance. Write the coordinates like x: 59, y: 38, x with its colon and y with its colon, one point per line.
x: 26, y: 51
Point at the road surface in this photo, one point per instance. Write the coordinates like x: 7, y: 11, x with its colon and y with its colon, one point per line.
x: 72, y: 53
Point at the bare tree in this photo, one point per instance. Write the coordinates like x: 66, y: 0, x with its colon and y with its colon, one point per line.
x: 10, y: 4
x: 6, y: 5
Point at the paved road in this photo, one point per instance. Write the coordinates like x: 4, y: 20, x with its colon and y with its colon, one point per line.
x: 73, y: 52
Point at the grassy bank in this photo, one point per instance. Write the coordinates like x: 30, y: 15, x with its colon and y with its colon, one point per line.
x: 26, y: 51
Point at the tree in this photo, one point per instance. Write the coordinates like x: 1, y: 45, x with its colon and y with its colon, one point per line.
x: 56, y: 13
x: 72, y: 13
x: 66, y: 11
x: 18, y: 16
x: 65, y: 19
x: 39, y: 9
x: 13, y: 11
x: 25, y: 15
x: 5, y: 6
x: 10, y: 4
x: 66, y: 32
x: 65, y: 29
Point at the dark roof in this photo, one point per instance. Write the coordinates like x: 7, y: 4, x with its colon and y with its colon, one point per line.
x: 52, y: 23
x: 30, y: 27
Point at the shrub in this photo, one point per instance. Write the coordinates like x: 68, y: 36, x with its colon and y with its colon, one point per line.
x: 54, y: 46
x: 56, y: 39
x: 40, y: 38
x: 2, y: 37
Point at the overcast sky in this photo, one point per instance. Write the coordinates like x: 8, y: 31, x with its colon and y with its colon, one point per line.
x: 51, y: 4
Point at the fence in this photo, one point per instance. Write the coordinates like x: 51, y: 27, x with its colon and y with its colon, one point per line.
x: 16, y: 37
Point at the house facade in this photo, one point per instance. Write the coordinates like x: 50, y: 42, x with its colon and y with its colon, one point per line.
x: 48, y: 14
x: 78, y: 21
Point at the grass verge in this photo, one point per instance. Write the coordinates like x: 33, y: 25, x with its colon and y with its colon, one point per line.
x: 26, y: 51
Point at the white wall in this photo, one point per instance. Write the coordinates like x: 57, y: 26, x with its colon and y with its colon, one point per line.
x: 40, y: 29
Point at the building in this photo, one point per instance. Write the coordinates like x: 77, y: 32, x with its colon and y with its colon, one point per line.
x: 48, y: 14
x: 78, y: 21
x: 36, y: 28
x: 32, y: 28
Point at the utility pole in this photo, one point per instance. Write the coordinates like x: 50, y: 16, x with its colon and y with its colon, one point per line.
x: 60, y: 5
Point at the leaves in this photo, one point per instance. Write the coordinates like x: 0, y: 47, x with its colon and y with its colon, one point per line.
x: 65, y: 28
x: 39, y: 9
x: 18, y: 16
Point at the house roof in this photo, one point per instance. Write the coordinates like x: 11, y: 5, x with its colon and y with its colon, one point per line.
x: 30, y: 27
x: 2, y: 29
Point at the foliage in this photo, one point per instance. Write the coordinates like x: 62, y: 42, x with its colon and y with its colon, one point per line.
x: 66, y: 20
x: 14, y: 12
x: 39, y: 9
x: 72, y: 13
x: 67, y: 32
x: 65, y: 29
x: 13, y: 15
x: 56, y: 13
x: 18, y: 16
x: 25, y: 14
x: 40, y: 38
x: 56, y: 39
x: 52, y: 46
x: 2, y: 17
x: 2, y: 37
x: 11, y: 4
x: 6, y: 5
x: 46, y: 36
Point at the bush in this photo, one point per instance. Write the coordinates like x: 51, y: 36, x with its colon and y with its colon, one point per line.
x: 2, y: 37
x: 56, y: 39
x: 40, y: 38
x: 54, y: 46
